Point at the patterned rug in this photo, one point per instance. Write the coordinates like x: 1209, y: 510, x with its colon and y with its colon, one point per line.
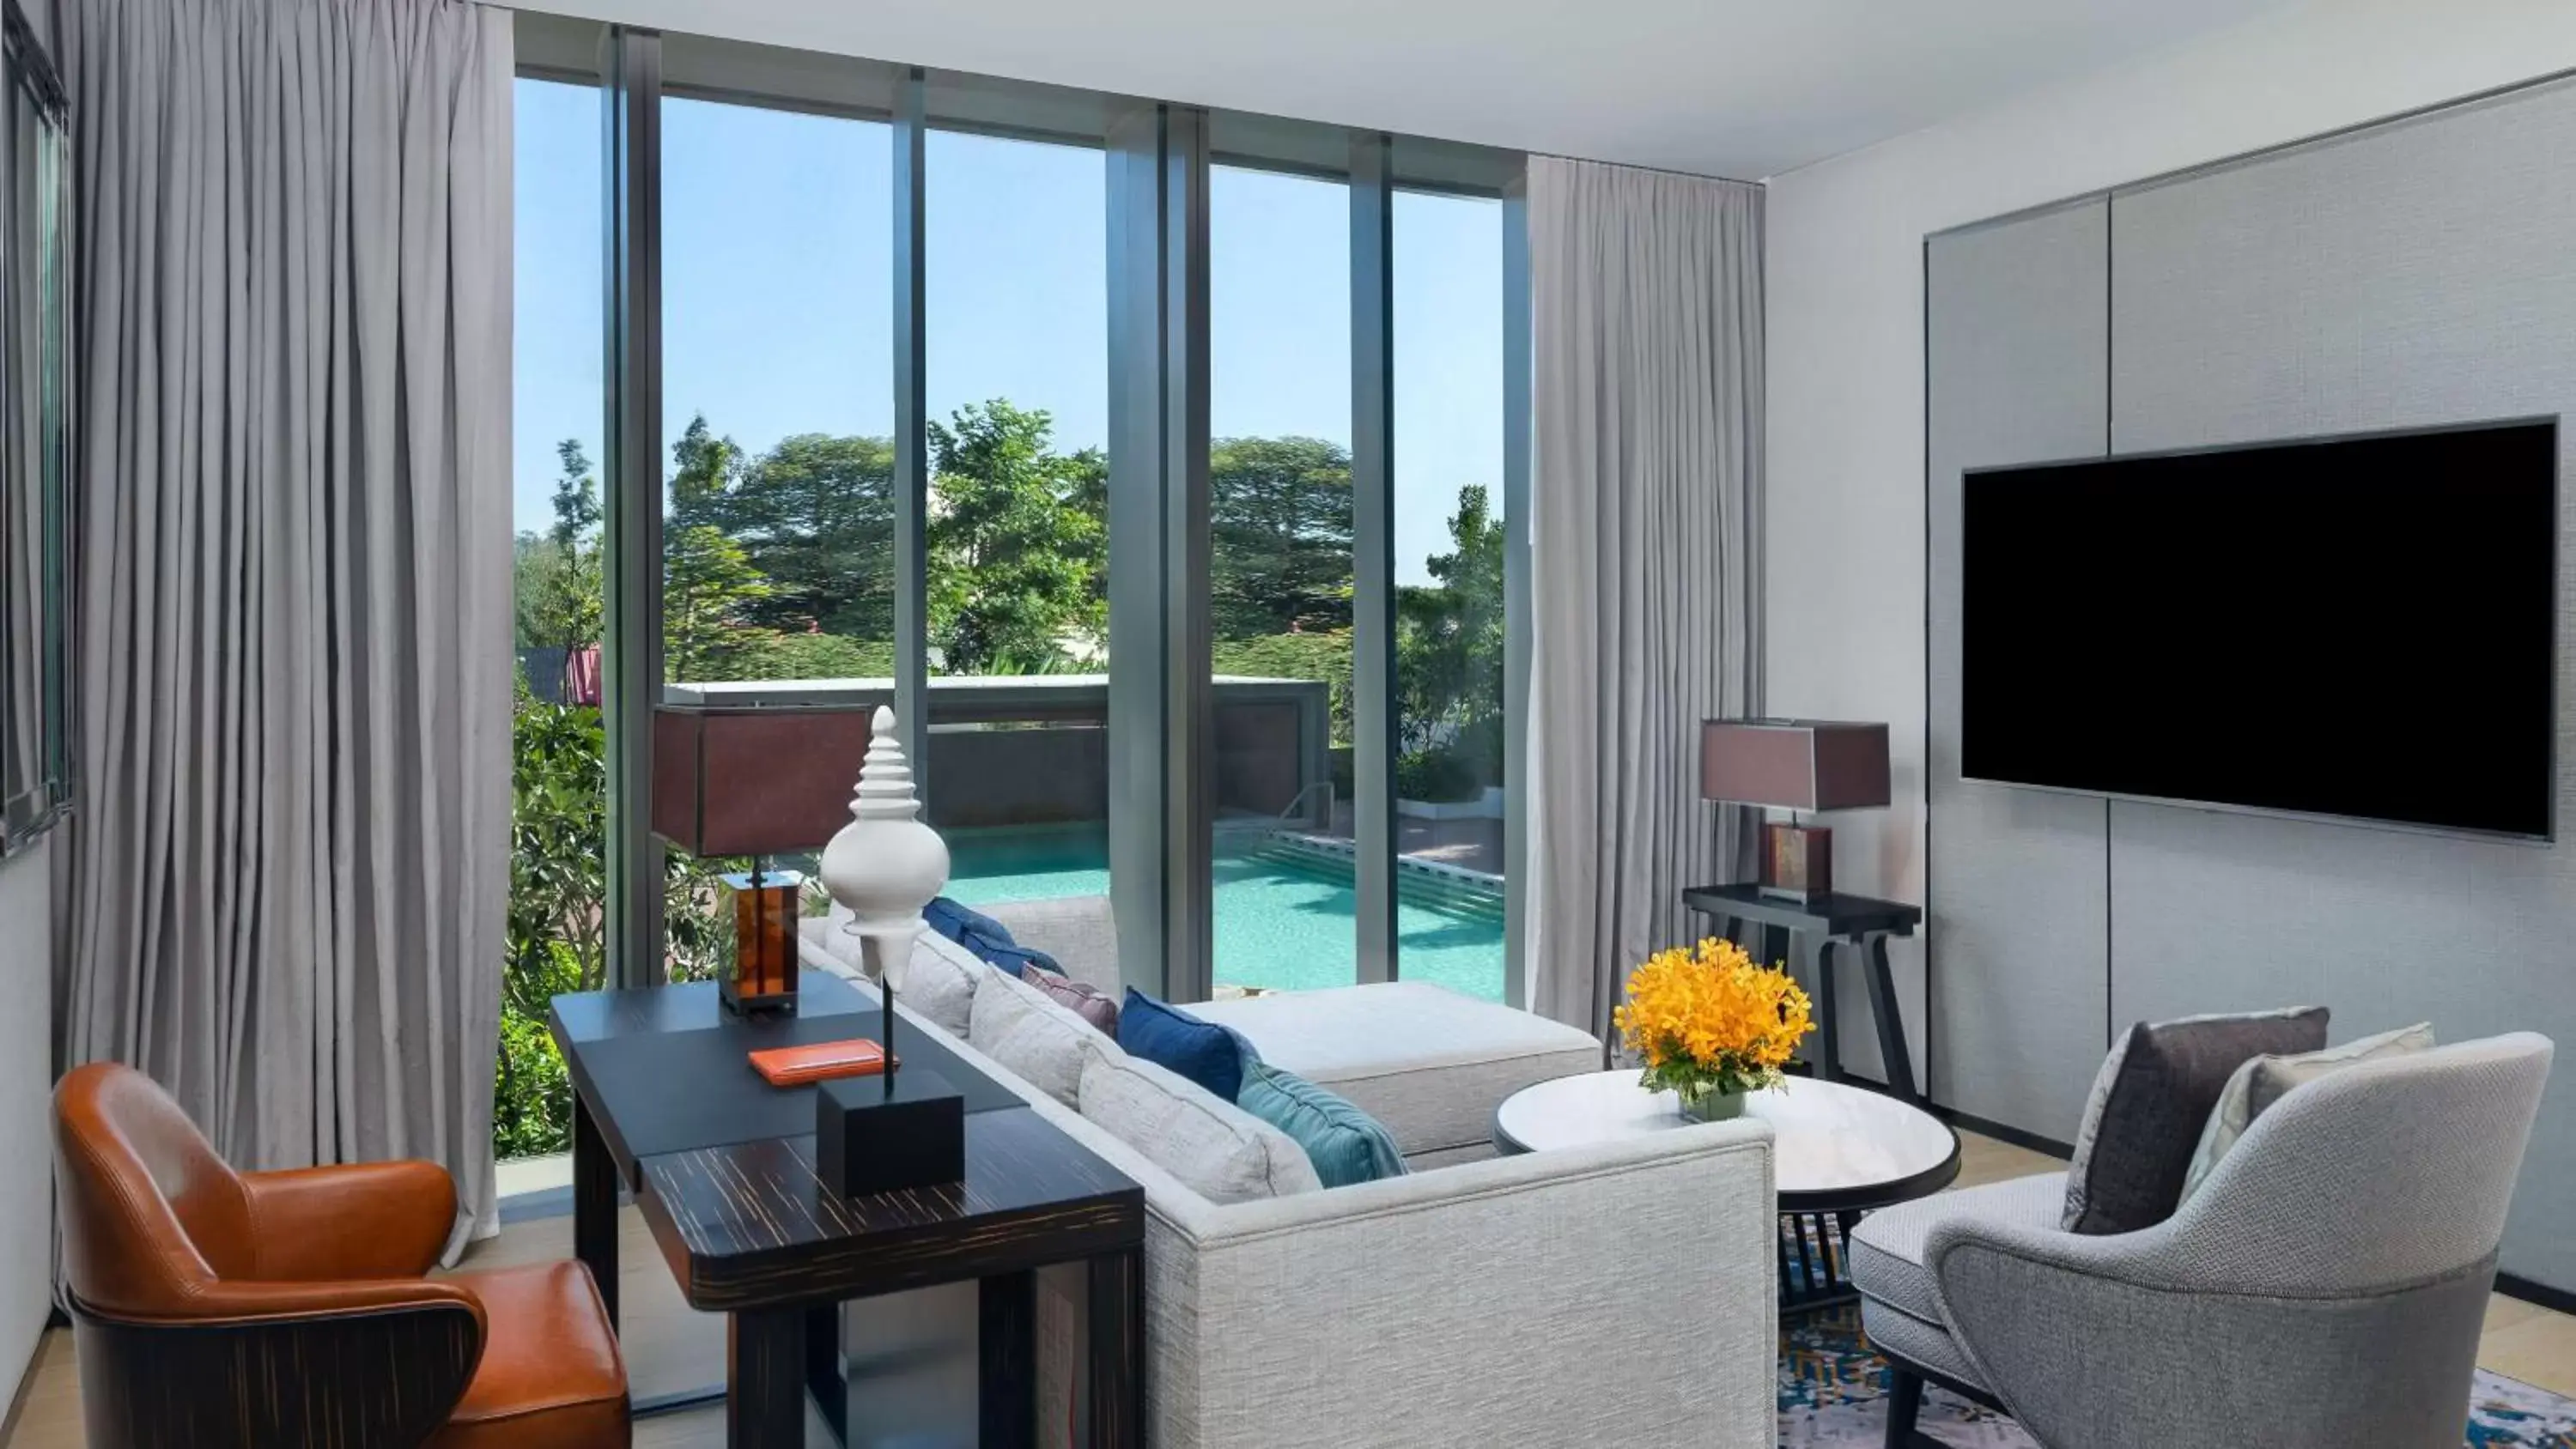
x: 1831, y: 1386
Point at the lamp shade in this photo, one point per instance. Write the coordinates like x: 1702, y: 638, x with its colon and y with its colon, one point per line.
x: 754, y: 781
x: 1794, y: 764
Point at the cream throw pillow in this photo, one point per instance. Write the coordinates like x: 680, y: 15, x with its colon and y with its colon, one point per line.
x: 1040, y: 1042
x: 939, y: 980
x: 1216, y: 1149
x: 935, y: 982
x: 2264, y: 1080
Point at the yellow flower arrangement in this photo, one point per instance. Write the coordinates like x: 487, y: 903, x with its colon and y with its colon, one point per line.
x: 1710, y: 1023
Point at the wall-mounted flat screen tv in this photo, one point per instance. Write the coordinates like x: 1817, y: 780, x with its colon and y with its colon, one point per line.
x: 2361, y: 627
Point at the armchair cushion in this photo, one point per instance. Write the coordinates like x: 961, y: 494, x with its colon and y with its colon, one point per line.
x: 550, y: 1375
x: 2259, y: 1083
x: 1898, y: 1334
x: 2143, y: 1119
x: 1887, y: 1249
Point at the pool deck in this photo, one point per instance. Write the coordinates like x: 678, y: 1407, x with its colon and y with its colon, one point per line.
x: 1468, y: 844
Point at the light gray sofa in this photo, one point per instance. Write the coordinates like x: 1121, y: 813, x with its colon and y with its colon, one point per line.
x: 1622, y: 1294
x: 2324, y: 1288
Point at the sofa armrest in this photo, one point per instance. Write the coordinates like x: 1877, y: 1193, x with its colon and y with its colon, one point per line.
x: 1619, y: 1293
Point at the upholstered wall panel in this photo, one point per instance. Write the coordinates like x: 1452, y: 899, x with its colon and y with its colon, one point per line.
x: 2418, y: 273
x: 2018, y: 315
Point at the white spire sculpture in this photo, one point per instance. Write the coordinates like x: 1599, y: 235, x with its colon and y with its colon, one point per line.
x: 885, y: 865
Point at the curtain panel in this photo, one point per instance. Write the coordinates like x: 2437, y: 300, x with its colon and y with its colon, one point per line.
x: 1646, y: 546
x: 283, y: 891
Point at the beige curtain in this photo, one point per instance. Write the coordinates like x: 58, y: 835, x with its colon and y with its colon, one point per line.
x: 1646, y: 295
x: 282, y: 893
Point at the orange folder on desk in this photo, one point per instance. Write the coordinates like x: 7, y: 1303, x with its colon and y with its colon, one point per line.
x: 797, y: 1066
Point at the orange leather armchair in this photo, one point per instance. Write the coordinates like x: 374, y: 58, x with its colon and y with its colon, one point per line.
x: 215, y: 1308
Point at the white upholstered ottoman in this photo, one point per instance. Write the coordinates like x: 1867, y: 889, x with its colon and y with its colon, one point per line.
x: 1426, y: 1061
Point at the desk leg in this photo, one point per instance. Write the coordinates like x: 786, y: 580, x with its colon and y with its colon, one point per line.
x: 1006, y: 1371
x: 823, y: 1377
x: 765, y: 1379
x: 594, y: 1205
x: 1829, y: 1035
x: 1118, y: 1349
x: 1892, y: 1052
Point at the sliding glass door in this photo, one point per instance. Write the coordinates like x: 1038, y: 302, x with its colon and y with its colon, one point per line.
x: 1451, y: 642
x: 1280, y: 578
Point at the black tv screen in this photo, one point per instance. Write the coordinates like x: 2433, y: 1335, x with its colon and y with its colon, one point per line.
x: 2358, y: 627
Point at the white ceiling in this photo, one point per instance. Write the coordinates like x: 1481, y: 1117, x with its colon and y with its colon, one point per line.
x: 1743, y: 88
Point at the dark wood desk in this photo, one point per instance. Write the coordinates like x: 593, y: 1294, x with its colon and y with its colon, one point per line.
x: 1810, y: 930
x: 722, y: 1165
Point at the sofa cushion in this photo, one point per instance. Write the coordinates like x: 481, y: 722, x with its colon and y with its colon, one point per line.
x: 1887, y: 1247
x: 2155, y: 1091
x: 1085, y: 1001
x: 1078, y: 931
x: 938, y: 979
x: 989, y: 939
x: 1214, y: 1148
x: 2255, y: 1086
x: 1179, y: 1042
x: 1345, y: 1144
x: 1427, y: 1062
x: 1040, y: 1042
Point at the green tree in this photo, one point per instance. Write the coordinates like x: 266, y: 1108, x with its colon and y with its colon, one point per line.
x: 557, y: 587
x: 1279, y: 515
x: 702, y: 465
x: 708, y: 590
x: 576, y: 496
x: 815, y: 514
x: 1450, y: 646
x: 1011, y: 546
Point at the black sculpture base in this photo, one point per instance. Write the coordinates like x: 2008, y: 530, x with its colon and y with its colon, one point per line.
x: 904, y: 1129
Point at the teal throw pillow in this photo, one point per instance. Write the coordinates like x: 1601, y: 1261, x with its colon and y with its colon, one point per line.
x: 1346, y: 1144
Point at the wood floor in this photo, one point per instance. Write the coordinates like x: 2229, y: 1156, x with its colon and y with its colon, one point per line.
x: 670, y: 1349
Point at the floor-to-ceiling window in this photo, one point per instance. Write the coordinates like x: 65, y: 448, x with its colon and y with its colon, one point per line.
x: 1015, y: 320
x: 557, y: 901
x: 1280, y: 577
x: 777, y: 363
x: 1450, y: 641
x: 777, y: 420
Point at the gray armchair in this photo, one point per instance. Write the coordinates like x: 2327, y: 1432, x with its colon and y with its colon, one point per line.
x: 2324, y: 1288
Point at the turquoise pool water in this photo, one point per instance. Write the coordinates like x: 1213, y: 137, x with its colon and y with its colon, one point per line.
x: 1284, y: 913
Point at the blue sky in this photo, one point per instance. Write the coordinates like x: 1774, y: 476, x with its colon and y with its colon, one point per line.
x: 777, y: 319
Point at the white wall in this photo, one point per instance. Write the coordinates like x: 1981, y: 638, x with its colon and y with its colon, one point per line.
x: 1845, y: 295
x: 26, y: 1092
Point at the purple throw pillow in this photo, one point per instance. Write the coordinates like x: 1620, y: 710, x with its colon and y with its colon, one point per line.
x: 1083, y: 1001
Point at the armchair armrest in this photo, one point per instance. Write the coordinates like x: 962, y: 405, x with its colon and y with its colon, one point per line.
x: 365, y: 1220
x: 1533, y: 1299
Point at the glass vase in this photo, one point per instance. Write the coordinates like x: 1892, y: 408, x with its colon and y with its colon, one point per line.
x: 1711, y: 1105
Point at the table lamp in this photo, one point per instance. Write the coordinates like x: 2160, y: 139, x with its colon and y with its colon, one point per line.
x: 1799, y: 765
x: 757, y: 781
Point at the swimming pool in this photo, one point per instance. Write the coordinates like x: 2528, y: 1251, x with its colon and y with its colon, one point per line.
x: 1284, y: 908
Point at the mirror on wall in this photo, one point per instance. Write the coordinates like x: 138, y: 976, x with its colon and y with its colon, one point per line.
x: 35, y: 572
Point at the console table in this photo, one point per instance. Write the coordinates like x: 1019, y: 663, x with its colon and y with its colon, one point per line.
x: 722, y: 1165
x: 1813, y: 928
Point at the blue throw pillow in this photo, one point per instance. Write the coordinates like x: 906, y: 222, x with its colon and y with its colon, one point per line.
x: 1346, y: 1144
x: 989, y: 939
x: 1181, y: 1043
